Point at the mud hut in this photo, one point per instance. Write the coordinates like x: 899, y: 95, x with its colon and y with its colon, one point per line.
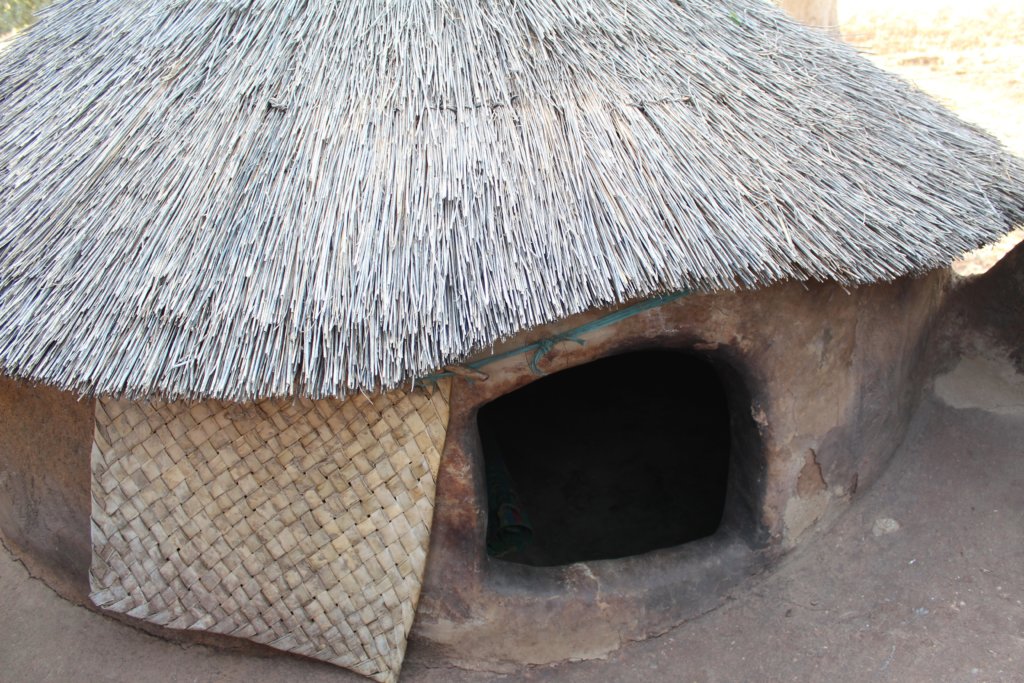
x: 637, y: 287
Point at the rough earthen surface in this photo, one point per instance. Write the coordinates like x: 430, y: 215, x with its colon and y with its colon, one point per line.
x: 990, y: 305
x: 822, y: 385
x: 45, y: 441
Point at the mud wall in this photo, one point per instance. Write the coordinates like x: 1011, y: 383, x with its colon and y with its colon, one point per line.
x: 827, y: 379
x: 45, y: 442
x: 990, y: 305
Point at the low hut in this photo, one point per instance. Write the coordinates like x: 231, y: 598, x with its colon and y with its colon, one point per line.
x: 286, y: 268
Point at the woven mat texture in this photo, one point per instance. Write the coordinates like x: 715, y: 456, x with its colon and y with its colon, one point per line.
x: 301, y: 525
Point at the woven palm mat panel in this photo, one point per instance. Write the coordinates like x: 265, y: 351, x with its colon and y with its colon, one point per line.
x: 301, y: 525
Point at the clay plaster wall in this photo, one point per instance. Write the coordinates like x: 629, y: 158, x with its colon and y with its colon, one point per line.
x: 826, y: 378
x: 45, y: 442
x: 990, y: 306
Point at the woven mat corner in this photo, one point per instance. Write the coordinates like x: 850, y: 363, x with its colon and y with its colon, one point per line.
x: 300, y: 525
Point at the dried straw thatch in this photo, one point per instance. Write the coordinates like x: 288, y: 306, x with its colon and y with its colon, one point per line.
x: 242, y: 199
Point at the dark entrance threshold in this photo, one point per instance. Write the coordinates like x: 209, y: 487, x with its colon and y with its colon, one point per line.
x: 617, y: 457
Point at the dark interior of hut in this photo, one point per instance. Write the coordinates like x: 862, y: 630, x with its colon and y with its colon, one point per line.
x: 618, y: 457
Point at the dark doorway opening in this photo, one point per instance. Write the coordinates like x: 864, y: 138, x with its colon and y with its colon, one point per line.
x: 617, y: 457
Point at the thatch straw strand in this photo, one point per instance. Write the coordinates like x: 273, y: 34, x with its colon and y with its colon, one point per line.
x: 269, y: 198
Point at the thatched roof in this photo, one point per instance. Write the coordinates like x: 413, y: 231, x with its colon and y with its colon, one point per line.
x: 241, y: 199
